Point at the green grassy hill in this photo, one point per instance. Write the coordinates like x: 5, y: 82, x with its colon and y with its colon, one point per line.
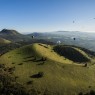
x: 44, y: 72
x: 4, y: 41
x: 72, y: 53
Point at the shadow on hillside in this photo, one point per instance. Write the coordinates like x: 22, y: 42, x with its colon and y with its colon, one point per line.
x: 70, y: 53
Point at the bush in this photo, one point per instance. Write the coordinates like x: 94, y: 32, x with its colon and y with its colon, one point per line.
x: 43, y: 59
x: 80, y: 93
x: 85, y: 65
x: 11, y: 69
x: 92, y: 92
x: 13, y: 62
x: 29, y: 82
x: 2, y: 66
x: 20, y: 64
x: 38, y: 75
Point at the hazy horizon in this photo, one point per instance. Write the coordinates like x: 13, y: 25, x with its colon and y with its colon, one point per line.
x: 47, y: 15
x: 29, y: 32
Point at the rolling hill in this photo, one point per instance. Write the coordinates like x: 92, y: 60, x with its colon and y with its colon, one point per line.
x: 43, y: 71
x: 4, y: 41
x: 71, y: 53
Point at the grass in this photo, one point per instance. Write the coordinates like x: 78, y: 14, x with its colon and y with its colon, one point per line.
x: 4, y: 41
x: 71, y: 53
x: 60, y: 76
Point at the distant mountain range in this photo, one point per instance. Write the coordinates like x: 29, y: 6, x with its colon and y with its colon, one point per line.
x: 83, y: 39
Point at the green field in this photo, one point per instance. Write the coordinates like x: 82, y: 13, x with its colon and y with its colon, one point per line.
x: 39, y: 67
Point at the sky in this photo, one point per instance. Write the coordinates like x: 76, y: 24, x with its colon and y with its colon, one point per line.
x: 47, y: 15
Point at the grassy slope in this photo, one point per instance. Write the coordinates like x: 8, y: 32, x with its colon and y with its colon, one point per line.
x: 4, y: 41
x: 60, y: 75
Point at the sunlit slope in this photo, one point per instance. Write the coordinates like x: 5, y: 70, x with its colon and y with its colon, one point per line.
x: 4, y: 41
x: 38, y: 66
x: 48, y: 52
